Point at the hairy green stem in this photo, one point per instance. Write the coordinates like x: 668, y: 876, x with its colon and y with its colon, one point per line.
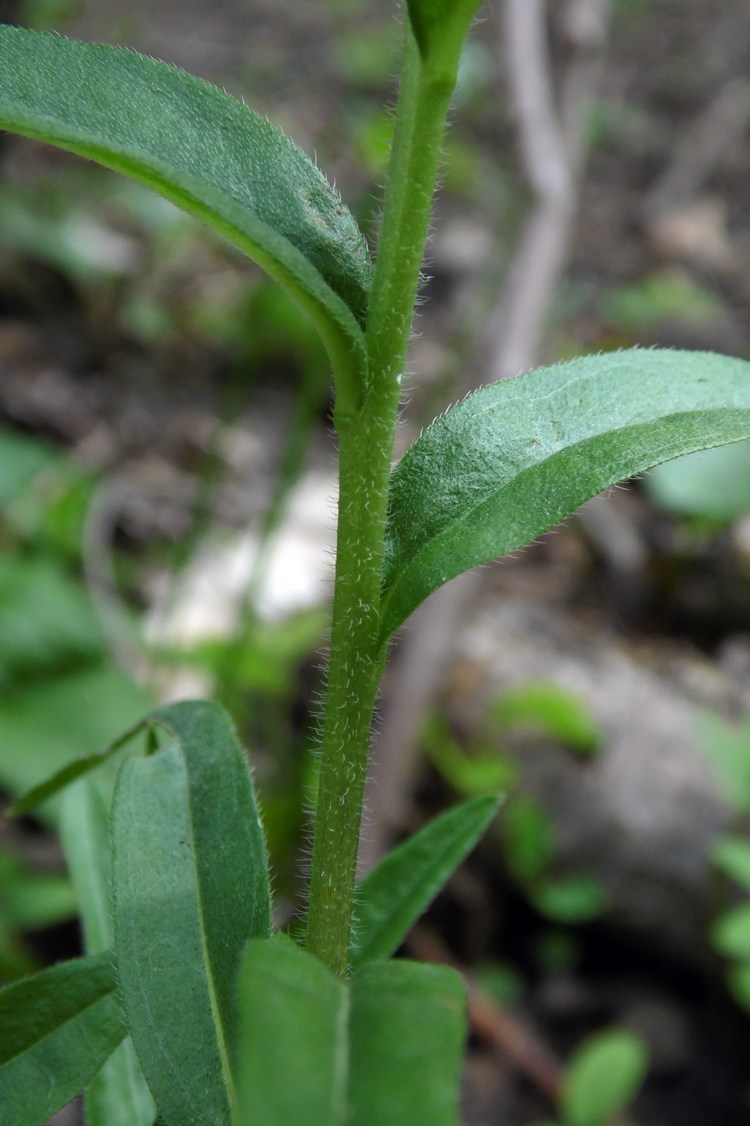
x: 366, y: 444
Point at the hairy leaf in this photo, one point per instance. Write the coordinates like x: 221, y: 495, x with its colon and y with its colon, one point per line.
x: 190, y: 888
x: 517, y: 457
x: 396, y: 893
x: 203, y: 150
x: 381, y: 1050
x: 407, y: 1029
x: 56, y: 1030
x: 293, y: 1052
x: 118, y: 1094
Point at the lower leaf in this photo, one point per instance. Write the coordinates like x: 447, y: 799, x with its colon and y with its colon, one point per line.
x: 56, y: 1030
x: 407, y: 1030
x: 292, y: 1063
x: 190, y: 888
x: 384, y: 1049
x: 118, y: 1094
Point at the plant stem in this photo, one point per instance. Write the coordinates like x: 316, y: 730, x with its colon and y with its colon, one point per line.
x: 366, y: 444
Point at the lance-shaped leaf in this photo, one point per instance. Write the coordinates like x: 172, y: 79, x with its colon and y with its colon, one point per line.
x: 205, y: 151
x: 383, y: 1049
x: 396, y: 893
x: 56, y: 1030
x: 293, y: 1056
x: 516, y: 457
x: 69, y: 774
x: 118, y: 1094
x: 407, y: 1031
x: 190, y: 888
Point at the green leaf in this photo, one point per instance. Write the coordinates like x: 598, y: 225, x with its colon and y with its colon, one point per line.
x: 383, y: 1050
x: 515, y: 458
x: 573, y: 899
x: 32, y: 899
x: 47, y: 621
x: 68, y: 774
x: 711, y: 485
x: 469, y: 771
x: 730, y: 934
x: 440, y: 27
x: 46, y: 725
x: 602, y: 1078
x: 56, y: 1030
x: 21, y: 460
x: 408, y: 1027
x: 292, y: 1062
x: 528, y: 838
x: 738, y: 980
x: 400, y: 889
x: 556, y: 711
x: 728, y: 748
x: 118, y: 1095
x: 203, y: 150
x: 190, y: 887
x: 731, y: 855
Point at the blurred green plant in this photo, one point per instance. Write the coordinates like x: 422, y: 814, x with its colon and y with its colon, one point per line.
x: 670, y: 295
x: 728, y: 748
x: 53, y: 653
x: 484, y: 765
x: 30, y: 900
x: 53, y: 658
x: 602, y: 1079
x: 710, y: 489
x: 48, y: 14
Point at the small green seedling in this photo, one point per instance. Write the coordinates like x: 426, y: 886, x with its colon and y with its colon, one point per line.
x: 602, y: 1078
x: 708, y: 490
x: 188, y: 1007
x: 527, y: 829
x: 728, y: 747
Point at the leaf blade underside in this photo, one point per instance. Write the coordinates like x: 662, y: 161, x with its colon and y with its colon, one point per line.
x: 190, y: 888
x: 205, y: 151
x: 57, y: 1028
x: 515, y: 458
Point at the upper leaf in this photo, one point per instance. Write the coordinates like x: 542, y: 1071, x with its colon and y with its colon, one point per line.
x: 203, y: 150
x: 190, y: 888
x: 56, y: 1030
x: 516, y: 457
